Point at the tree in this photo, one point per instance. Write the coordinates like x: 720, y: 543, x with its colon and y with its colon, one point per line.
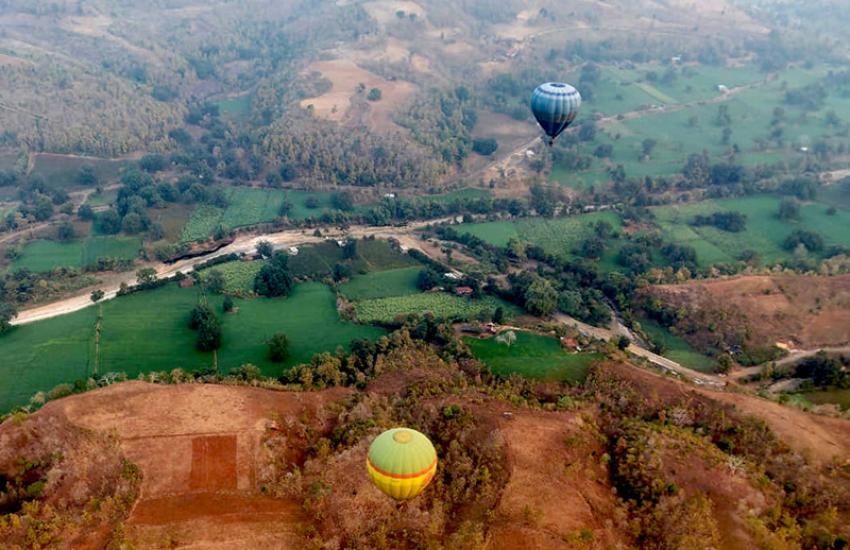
x: 65, y: 232
x: 146, y: 276
x: 152, y: 163
x: 274, y: 279
x: 789, y: 209
x: 279, y: 348
x: 265, y: 249
x: 508, y: 338
x: 312, y: 203
x: 97, y: 295
x: 343, y: 201
x: 87, y: 177
x: 811, y: 240
x: 132, y: 223
x: 540, y: 298
x: 623, y: 342
x: 499, y: 315
x: 428, y: 279
x: 85, y: 212
x: 341, y: 272
x: 205, y: 322
x: 648, y: 146
x: 227, y: 306
x: 485, y: 146
x: 374, y: 94
x: 215, y: 281
x: 349, y: 251
x: 109, y: 222
x: 7, y: 313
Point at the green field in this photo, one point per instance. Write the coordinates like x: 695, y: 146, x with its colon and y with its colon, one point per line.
x: 454, y: 196
x: 239, y: 276
x: 372, y: 255
x: 148, y: 331
x: 61, y: 170
x: 532, y: 356
x: 827, y: 397
x: 764, y: 233
x: 556, y: 236
x: 238, y: 107
x: 440, y: 304
x: 696, y: 126
x: 382, y: 284
x: 251, y: 206
x: 677, y: 349
x: 43, y: 255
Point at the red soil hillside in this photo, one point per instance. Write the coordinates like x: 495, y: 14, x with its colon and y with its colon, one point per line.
x: 806, y: 311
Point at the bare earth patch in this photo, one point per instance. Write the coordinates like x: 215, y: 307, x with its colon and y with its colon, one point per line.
x: 197, y: 447
x: 345, y: 77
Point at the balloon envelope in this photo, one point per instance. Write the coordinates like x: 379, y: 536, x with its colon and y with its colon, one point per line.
x: 555, y: 106
x: 401, y: 463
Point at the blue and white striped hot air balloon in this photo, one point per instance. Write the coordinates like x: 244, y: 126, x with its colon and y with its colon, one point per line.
x: 555, y: 106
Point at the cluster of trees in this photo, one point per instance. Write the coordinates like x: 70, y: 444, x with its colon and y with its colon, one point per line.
x: 204, y: 321
x: 731, y: 221
x: 274, y: 278
x: 825, y: 371
x: 812, y: 241
x: 443, y: 121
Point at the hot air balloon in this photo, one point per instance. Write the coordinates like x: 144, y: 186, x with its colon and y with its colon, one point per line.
x: 401, y: 463
x: 555, y: 106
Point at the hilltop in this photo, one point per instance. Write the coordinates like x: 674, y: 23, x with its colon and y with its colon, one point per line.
x: 285, y: 468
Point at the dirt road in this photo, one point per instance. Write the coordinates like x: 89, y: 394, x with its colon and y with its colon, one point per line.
x: 698, y: 378
x: 243, y: 244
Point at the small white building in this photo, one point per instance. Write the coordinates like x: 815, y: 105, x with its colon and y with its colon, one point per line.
x: 722, y: 88
x: 453, y: 276
x: 389, y: 195
x: 292, y: 250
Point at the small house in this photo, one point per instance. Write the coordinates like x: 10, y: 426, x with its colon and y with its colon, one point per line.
x: 451, y: 275
x: 292, y: 250
x: 188, y: 282
x: 722, y: 88
x: 389, y: 195
x: 464, y: 291
x: 570, y: 344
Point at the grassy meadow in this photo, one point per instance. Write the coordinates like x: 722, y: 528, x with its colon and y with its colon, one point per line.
x: 382, y: 284
x: 148, y: 331
x: 532, y: 356
x: 677, y: 349
x: 44, y: 255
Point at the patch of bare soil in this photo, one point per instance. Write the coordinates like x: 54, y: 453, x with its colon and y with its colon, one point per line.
x: 346, y: 76
x: 559, y: 493
x: 804, y: 311
x: 198, y: 448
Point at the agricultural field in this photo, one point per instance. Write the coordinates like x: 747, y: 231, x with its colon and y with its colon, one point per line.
x: 556, y: 236
x: 677, y: 349
x: 692, y: 122
x: 60, y: 171
x: 532, y: 356
x: 148, y: 331
x: 238, y: 276
x: 440, y: 304
x: 454, y: 196
x: 43, y: 255
x: 372, y: 255
x: 39, y: 356
x: 251, y: 206
x: 764, y: 233
x: 382, y: 284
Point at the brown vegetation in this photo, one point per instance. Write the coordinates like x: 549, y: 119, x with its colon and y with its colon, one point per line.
x: 758, y: 311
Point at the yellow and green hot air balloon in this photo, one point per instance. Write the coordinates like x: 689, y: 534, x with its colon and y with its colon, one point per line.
x: 401, y: 463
